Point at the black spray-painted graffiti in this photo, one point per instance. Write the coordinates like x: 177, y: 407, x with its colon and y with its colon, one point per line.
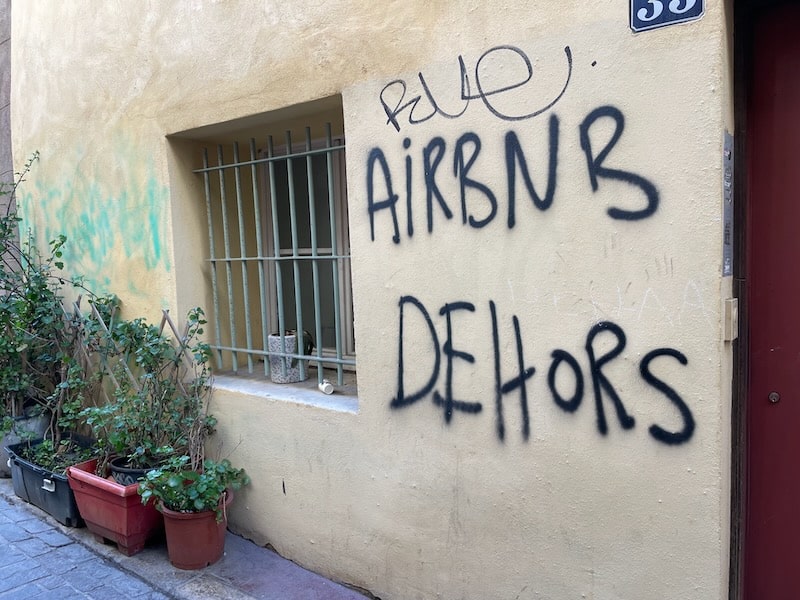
x: 382, y: 197
x: 602, y: 387
x: 393, y: 95
x: 454, y: 186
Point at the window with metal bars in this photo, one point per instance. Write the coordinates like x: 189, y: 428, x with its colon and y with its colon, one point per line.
x: 280, y: 258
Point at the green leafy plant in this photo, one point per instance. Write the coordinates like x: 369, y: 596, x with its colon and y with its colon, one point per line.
x: 57, y: 457
x: 161, y: 388
x: 181, y: 488
x: 42, y: 368
x: 143, y: 393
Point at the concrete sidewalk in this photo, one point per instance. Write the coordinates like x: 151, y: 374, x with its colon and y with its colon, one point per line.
x: 40, y: 558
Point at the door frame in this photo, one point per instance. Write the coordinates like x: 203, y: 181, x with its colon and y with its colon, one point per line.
x: 745, y: 13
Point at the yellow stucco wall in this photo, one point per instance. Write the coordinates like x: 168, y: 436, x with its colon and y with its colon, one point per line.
x: 419, y: 495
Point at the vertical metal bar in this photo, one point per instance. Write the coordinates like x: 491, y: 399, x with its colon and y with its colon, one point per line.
x: 260, y: 251
x: 212, y: 256
x: 243, y: 255
x: 226, y: 237
x: 312, y: 216
x: 298, y: 307
x: 276, y: 248
x: 337, y: 301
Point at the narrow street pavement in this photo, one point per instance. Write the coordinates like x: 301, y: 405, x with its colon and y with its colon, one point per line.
x: 40, y: 558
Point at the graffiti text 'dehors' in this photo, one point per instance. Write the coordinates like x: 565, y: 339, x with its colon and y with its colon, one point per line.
x: 479, y: 202
x: 500, y: 71
x: 446, y: 351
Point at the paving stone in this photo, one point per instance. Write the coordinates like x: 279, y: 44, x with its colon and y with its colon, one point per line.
x: 83, y: 578
x: 65, y: 592
x: 33, y: 547
x: 75, y: 553
x: 12, y: 576
x: 122, y: 580
x: 34, y: 525
x: 51, y: 582
x: 131, y: 587
x: 13, y: 532
x: 54, y: 538
x: 10, y: 555
x: 27, y: 590
x: 15, y: 513
x: 103, y: 593
x: 101, y: 570
x: 54, y: 564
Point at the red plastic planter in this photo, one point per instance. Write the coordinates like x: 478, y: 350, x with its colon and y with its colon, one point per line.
x: 112, y: 511
x: 195, y: 540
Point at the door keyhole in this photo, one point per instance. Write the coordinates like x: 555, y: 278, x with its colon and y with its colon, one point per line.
x: 774, y: 397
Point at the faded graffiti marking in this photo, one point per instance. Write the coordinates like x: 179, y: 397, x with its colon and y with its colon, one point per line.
x: 393, y: 95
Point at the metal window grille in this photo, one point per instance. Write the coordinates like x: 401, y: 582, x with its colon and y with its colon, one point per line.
x: 280, y: 255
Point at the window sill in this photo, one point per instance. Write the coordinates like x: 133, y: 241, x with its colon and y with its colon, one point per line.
x: 300, y: 393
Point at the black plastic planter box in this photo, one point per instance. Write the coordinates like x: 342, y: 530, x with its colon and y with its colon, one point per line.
x: 49, y: 491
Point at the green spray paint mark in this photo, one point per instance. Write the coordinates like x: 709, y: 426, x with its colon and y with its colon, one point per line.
x: 102, y: 227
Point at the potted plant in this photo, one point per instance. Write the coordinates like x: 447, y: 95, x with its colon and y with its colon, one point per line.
x: 160, y: 394
x: 194, y: 500
x: 19, y: 417
x: 38, y: 474
x: 157, y: 409
x: 44, y: 376
x: 193, y: 494
x: 112, y: 511
x: 12, y: 388
x: 43, y: 371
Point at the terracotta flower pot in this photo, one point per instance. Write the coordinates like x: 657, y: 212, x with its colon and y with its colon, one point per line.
x: 112, y: 511
x: 195, y: 540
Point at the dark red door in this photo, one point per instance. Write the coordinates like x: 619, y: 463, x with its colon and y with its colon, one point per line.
x: 772, y: 537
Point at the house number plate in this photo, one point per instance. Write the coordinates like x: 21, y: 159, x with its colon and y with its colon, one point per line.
x: 651, y: 14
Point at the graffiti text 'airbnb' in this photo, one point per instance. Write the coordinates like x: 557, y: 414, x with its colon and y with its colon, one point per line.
x: 479, y: 200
